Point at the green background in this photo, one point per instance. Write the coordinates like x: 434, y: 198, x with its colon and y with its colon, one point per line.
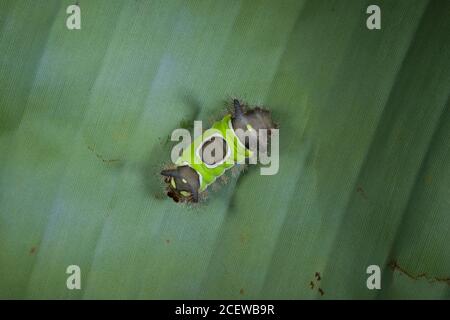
x: 364, y: 149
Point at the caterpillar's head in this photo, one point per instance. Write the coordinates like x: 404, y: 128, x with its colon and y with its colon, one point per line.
x: 182, y: 184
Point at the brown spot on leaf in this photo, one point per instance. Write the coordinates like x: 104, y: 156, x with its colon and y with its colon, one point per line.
x: 317, y: 275
x: 243, y: 238
x: 241, y: 291
x: 33, y: 250
x: 167, y: 241
x: 361, y: 191
x: 395, y: 266
x: 315, y: 281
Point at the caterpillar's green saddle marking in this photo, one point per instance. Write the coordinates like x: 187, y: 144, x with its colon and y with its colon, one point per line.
x: 234, y: 153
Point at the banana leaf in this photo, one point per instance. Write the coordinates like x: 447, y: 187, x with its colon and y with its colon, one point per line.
x: 364, y: 175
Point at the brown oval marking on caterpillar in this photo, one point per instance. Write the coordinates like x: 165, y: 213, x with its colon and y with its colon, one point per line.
x: 212, y: 157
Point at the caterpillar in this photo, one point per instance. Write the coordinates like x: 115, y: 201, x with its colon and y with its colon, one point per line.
x: 218, y: 149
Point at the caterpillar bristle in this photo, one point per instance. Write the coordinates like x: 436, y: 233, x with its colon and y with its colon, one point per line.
x: 215, y: 187
x: 224, y: 179
x: 203, y: 196
x: 236, y: 171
